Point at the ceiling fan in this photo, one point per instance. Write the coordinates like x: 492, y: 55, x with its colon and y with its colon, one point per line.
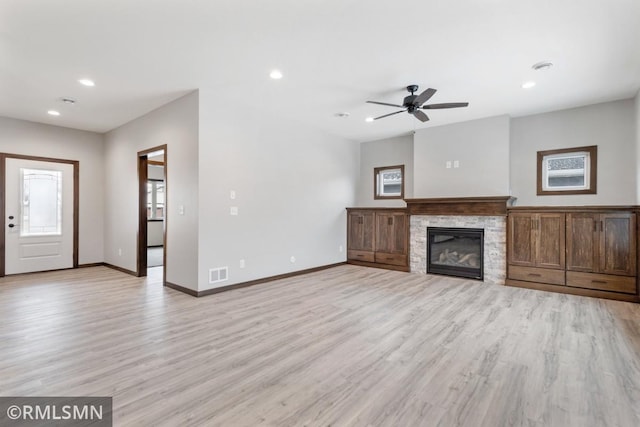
x: 412, y: 104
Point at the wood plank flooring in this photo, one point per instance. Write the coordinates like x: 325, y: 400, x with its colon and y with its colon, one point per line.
x: 349, y: 346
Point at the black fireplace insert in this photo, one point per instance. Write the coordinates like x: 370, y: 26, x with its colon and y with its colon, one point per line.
x: 455, y: 252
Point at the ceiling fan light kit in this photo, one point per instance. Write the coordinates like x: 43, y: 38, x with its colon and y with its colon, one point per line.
x: 413, y: 104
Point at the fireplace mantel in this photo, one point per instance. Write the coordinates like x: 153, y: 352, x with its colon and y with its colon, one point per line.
x: 481, y: 206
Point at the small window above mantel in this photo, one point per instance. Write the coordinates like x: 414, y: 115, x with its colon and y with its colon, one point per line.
x: 567, y: 171
x: 388, y: 182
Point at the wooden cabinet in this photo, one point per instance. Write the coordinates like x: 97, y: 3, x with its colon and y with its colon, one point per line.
x: 537, y: 240
x: 361, y: 230
x: 602, y: 243
x: 378, y: 237
x: 590, y: 251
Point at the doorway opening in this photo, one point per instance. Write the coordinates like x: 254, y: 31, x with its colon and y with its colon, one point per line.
x: 152, y: 211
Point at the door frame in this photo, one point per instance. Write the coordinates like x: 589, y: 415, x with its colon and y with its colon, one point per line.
x: 76, y: 201
x: 143, y: 164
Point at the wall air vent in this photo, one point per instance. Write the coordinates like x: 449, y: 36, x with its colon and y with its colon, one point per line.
x: 219, y: 274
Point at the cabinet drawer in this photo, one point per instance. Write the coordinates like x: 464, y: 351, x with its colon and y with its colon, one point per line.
x: 360, y: 255
x: 540, y: 275
x: 603, y: 282
x: 394, y: 259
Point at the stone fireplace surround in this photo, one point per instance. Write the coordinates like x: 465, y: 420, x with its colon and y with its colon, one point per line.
x: 488, y: 213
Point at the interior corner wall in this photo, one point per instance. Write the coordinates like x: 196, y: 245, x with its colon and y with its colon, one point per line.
x: 384, y: 152
x: 291, y: 184
x: 176, y: 125
x: 40, y: 140
x: 481, y: 148
x: 611, y: 126
x: 637, y: 124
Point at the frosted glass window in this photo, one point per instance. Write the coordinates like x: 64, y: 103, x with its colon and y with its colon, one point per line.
x: 41, y: 207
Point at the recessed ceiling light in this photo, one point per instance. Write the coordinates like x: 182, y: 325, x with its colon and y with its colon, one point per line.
x: 528, y: 85
x: 53, y: 113
x: 87, y: 82
x: 368, y: 119
x: 541, y: 66
x: 343, y: 114
x: 70, y: 101
x: 275, y: 74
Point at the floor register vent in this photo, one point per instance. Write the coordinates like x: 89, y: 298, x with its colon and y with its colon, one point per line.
x: 219, y: 274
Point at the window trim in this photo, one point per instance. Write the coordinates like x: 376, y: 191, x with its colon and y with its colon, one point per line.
x: 376, y: 172
x: 592, y: 150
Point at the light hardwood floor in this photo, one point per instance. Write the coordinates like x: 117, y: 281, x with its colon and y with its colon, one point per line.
x: 346, y: 346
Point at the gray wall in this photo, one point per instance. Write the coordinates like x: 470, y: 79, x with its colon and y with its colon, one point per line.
x: 611, y: 126
x: 637, y: 120
x: 175, y: 124
x: 480, y: 146
x: 292, y: 185
x: 385, y: 152
x: 35, y: 139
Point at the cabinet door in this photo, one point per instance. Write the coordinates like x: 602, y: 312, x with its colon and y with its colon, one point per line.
x: 618, y: 243
x: 361, y: 231
x: 521, y: 245
x: 550, y: 240
x: 391, y: 233
x: 583, y: 243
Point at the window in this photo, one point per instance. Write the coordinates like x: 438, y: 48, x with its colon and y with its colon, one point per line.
x: 41, y: 195
x: 155, y: 199
x: 388, y: 182
x: 567, y: 171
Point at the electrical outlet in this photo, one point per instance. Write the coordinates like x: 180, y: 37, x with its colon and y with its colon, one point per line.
x: 448, y: 164
x: 233, y: 210
x: 340, y: 248
x: 292, y: 259
x: 232, y: 194
x: 456, y: 164
x: 119, y: 251
x: 242, y: 264
x: 181, y: 210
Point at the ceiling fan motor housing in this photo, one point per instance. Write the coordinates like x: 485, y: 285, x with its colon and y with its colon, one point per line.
x: 408, y: 100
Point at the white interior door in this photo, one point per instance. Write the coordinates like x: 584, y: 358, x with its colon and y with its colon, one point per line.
x: 39, y: 216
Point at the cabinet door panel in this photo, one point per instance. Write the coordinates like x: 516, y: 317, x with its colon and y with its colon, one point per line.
x: 550, y: 251
x: 618, y: 244
x: 582, y: 242
x: 391, y: 236
x: 521, y: 245
x: 361, y: 231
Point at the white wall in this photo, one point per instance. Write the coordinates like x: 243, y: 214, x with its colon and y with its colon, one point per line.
x: 480, y: 146
x: 610, y: 126
x: 175, y: 124
x: 385, y: 152
x: 35, y: 139
x: 292, y: 185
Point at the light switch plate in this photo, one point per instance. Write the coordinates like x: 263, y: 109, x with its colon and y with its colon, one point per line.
x: 233, y: 210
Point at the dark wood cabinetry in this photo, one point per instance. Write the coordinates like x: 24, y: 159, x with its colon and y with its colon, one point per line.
x: 585, y: 251
x: 378, y: 237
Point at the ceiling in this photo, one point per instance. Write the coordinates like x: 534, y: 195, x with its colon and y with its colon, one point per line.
x: 334, y: 54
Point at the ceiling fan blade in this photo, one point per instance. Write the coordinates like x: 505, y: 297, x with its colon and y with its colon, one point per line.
x: 390, y: 114
x: 447, y: 105
x: 421, y: 116
x: 424, y: 96
x: 384, y: 103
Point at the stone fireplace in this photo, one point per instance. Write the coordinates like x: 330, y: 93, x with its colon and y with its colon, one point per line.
x: 485, y: 213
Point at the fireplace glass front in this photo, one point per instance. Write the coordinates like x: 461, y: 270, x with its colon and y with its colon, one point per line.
x: 455, y: 252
